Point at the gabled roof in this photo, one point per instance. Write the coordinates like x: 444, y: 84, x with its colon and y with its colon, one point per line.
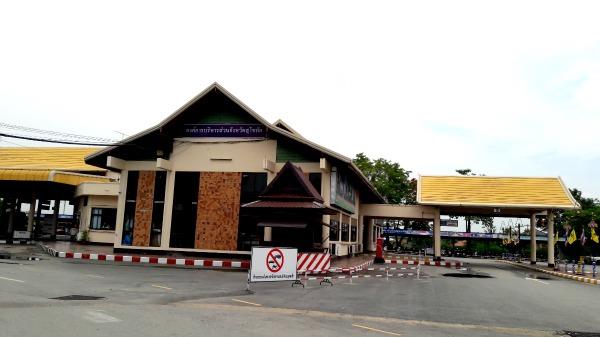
x: 291, y: 183
x: 47, y: 158
x: 99, y: 158
x: 285, y: 126
x: 501, y: 192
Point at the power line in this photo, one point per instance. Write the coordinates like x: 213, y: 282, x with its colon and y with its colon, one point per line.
x: 55, y: 133
x: 58, y: 141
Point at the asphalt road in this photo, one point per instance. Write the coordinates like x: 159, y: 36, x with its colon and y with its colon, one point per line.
x: 142, y: 300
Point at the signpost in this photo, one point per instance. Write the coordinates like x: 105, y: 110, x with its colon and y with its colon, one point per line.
x: 272, y: 264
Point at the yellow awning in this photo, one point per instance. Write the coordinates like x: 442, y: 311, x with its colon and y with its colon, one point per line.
x: 476, y: 191
x: 60, y: 177
x: 47, y: 158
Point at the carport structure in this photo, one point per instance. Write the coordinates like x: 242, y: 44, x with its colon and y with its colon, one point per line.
x: 36, y: 175
x: 515, y: 197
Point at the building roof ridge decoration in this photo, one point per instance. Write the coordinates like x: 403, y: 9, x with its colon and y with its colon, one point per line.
x: 275, y: 191
x: 269, y: 126
x: 285, y: 126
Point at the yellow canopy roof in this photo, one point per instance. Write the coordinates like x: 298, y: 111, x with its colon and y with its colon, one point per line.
x: 47, y: 158
x: 69, y: 178
x: 476, y: 191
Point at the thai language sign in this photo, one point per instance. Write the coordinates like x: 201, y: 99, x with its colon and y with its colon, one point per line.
x: 271, y: 264
x: 225, y: 130
x: 342, y: 191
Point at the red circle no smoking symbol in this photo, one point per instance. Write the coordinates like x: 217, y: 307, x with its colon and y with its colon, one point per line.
x: 274, y: 260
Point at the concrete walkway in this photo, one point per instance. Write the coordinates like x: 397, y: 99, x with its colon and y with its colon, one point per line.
x: 541, y: 267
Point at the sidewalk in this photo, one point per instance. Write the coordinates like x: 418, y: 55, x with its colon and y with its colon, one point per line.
x: 543, y: 267
x: 70, y: 250
x: 73, y: 250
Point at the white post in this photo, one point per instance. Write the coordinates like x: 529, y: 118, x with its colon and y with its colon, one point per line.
x: 437, y: 237
x: 550, y: 239
x: 31, y: 215
x: 533, y: 243
x: 167, y: 210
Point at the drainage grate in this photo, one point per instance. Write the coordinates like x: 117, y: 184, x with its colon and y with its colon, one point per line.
x: 467, y: 275
x: 77, y: 298
x: 579, y: 334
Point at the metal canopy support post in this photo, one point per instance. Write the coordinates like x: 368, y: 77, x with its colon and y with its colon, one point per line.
x: 437, y: 237
x: 55, y: 218
x: 533, y: 242
x: 31, y: 214
x: 550, y: 239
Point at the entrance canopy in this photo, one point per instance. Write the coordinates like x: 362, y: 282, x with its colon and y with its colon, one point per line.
x: 494, y: 196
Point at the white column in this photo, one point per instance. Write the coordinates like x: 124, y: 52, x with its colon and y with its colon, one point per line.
x: 121, y: 209
x: 268, y: 235
x: 533, y: 242
x: 55, y: 217
x: 437, y: 237
x: 550, y: 239
x: 168, y: 210
x: 31, y: 215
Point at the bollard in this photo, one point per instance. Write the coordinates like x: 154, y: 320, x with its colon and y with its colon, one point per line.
x: 573, y: 267
x: 583, y: 269
x: 593, y: 268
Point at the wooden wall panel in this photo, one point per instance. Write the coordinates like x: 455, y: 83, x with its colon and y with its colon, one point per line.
x: 218, y: 214
x: 143, y: 209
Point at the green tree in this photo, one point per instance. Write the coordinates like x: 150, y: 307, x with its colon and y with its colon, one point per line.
x: 389, y: 178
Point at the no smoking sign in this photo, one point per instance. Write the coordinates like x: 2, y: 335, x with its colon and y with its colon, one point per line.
x: 273, y: 264
x: 275, y: 260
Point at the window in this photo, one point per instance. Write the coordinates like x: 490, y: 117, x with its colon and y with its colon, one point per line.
x: 334, y: 230
x: 130, y: 199
x: 185, y: 206
x: 345, y: 232
x: 353, y: 233
x: 103, y: 219
x: 253, y: 184
x: 315, y: 180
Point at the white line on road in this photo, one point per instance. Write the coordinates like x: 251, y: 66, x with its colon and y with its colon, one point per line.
x: 376, y: 330
x: 254, y: 304
x: 99, y: 317
x: 533, y: 279
x: 11, y: 279
x: 94, y: 276
x: 162, y: 287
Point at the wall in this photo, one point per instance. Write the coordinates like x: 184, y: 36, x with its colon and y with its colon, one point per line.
x: 218, y: 210
x: 223, y: 157
x: 97, y: 236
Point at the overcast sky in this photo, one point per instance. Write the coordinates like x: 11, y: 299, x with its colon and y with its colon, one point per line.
x: 503, y: 88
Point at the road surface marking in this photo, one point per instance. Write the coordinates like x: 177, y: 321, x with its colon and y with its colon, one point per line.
x: 99, y: 317
x: 533, y: 279
x: 376, y: 330
x: 161, y: 287
x: 92, y: 275
x: 11, y: 279
x: 254, y: 304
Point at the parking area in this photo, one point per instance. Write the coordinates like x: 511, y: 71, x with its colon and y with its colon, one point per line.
x: 116, y: 298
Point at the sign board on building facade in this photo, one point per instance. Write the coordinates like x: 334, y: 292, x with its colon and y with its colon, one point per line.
x: 271, y: 264
x: 225, y: 130
x: 449, y: 223
x: 21, y: 235
x: 342, y: 191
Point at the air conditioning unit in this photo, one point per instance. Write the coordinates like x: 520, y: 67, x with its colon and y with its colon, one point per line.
x: 333, y: 249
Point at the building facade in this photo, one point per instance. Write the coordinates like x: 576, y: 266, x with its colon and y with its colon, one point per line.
x: 185, y: 183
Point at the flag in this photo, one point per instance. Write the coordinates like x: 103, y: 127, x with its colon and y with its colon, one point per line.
x: 572, y: 237
x: 555, y: 238
x: 594, y: 236
x: 582, y: 238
